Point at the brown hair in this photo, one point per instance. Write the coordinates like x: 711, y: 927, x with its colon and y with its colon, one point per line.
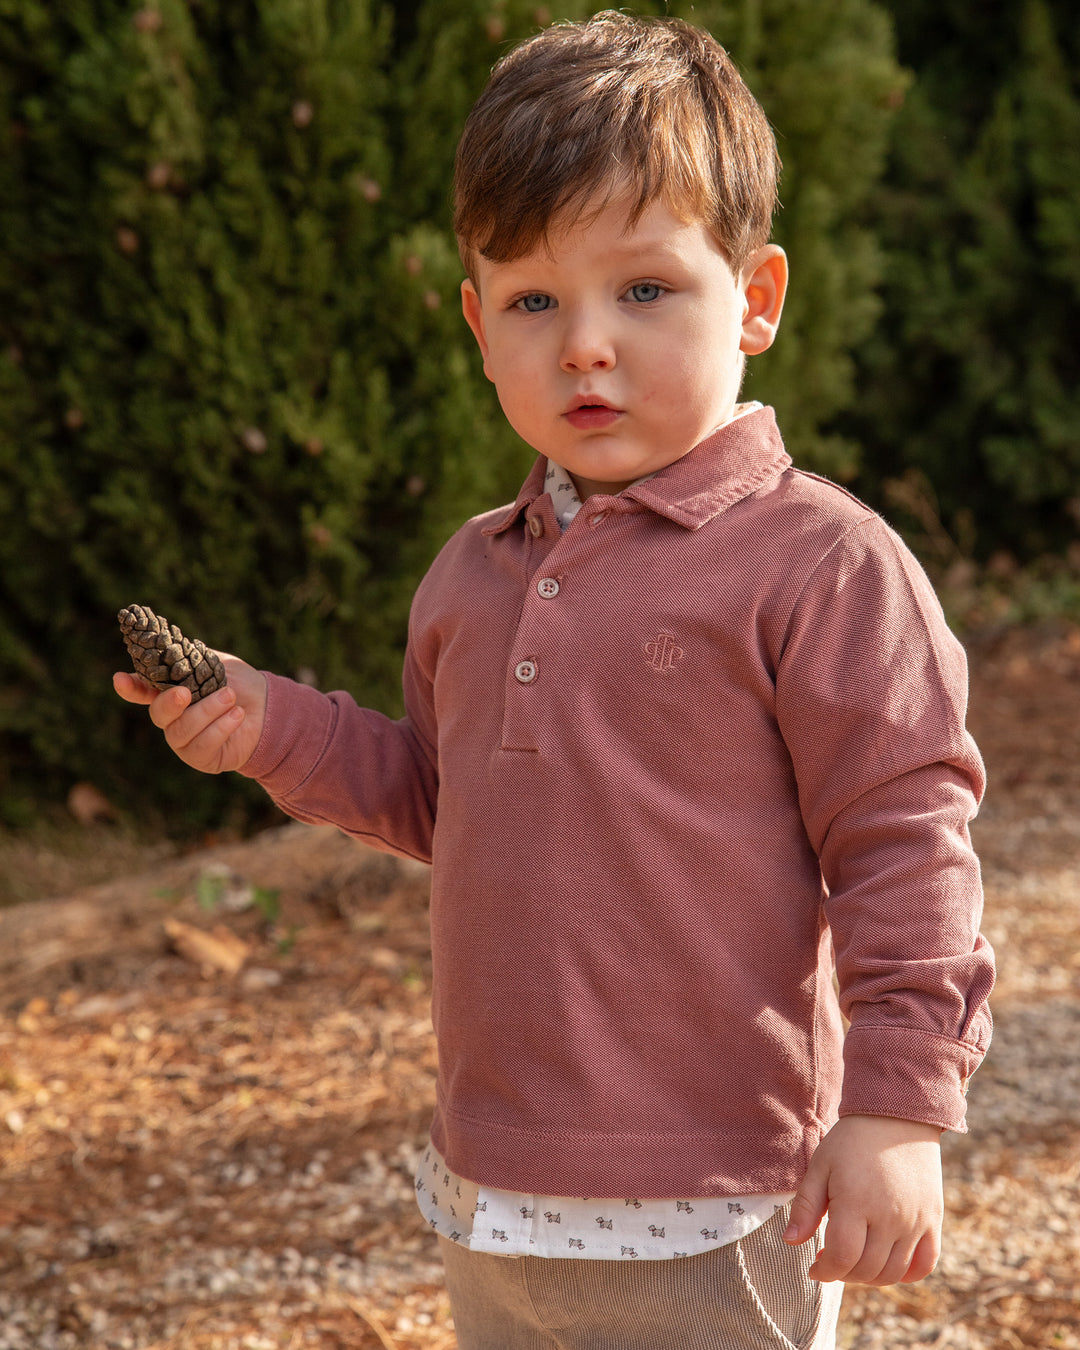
x: 582, y: 110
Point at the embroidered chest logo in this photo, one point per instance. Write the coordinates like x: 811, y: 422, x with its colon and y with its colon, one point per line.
x: 663, y: 652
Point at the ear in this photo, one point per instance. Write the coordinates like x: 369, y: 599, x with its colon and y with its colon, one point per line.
x: 764, y: 281
x: 474, y: 317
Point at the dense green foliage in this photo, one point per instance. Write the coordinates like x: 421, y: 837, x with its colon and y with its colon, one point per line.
x: 827, y: 77
x: 234, y: 382
x: 233, y: 379
x: 970, y: 381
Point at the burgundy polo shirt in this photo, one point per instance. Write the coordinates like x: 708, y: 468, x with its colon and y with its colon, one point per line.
x: 664, y: 764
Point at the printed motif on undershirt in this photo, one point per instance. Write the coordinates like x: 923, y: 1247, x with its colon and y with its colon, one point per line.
x: 505, y: 1223
x: 563, y: 493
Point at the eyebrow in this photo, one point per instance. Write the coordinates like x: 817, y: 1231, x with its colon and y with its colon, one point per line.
x: 624, y: 248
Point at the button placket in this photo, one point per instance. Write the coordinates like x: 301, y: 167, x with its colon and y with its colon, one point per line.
x: 526, y: 713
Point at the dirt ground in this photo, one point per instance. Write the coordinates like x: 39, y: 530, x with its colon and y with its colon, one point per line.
x: 199, y: 1158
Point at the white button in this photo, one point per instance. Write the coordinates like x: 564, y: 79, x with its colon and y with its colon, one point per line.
x: 599, y: 518
x: 548, y: 587
x: 536, y: 526
x: 525, y: 671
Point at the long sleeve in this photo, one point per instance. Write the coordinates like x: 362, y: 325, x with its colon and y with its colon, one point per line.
x: 327, y: 761
x: 871, y: 698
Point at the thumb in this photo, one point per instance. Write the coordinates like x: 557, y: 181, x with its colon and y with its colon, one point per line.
x: 133, y: 688
x: 810, y: 1205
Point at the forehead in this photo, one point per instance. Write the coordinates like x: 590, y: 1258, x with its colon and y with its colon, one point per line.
x: 608, y: 228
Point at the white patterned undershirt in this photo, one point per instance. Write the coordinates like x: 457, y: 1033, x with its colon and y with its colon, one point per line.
x: 512, y: 1223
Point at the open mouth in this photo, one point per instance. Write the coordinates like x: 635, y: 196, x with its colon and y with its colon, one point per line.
x: 586, y: 414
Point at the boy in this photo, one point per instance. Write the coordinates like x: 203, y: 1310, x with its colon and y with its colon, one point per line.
x: 682, y: 723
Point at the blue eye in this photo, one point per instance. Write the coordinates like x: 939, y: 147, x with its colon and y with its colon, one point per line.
x: 646, y: 291
x: 534, y: 304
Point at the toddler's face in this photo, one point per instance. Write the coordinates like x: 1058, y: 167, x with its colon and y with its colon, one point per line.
x: 615, y: 351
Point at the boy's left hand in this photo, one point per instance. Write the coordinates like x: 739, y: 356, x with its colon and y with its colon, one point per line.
x: 879, y: 1180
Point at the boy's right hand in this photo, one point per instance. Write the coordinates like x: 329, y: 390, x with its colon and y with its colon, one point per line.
x: 215, y: 735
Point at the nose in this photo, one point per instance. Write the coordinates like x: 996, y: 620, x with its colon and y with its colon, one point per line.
x: 586, y: 344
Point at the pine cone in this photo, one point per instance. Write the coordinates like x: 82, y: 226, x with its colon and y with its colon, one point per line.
x: 161, y: 654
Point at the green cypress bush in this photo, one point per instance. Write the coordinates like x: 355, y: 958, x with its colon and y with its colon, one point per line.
x: 829, y: 81
x: 969, y: 384
x: 234, y: 381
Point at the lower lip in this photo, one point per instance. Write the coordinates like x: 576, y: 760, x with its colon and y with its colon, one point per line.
x: 592, y: 418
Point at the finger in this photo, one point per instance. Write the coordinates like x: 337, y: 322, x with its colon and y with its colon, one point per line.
x: 924, y: 1259
x: 881, y: 1262
x: 193, y: 719
x: 200, y: 737
x: 133, y: 688
x: 845, y: 1244
x: 169, y: 705
x: 808, y: 1208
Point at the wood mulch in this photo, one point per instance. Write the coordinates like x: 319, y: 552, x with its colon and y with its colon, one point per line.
x: 192, y: 1159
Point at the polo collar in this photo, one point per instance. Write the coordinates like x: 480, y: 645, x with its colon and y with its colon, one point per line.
x: 736, y: 460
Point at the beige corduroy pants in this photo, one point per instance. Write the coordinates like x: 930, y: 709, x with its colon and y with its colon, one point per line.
x: 753, y: 1294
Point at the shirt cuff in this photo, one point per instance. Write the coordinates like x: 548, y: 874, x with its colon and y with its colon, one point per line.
x: 297, y: 725
x: 907, y: 1073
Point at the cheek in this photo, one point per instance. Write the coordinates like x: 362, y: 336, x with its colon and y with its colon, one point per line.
x: 519, y: 403
x: 662, y: 377
x: 509, y: 367
x: 517, y: 375
x: 678, y: 377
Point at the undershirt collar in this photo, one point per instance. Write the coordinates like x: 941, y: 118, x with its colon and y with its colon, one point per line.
x: 564, y: 495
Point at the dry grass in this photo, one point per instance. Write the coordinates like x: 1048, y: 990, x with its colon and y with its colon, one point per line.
x: 56, y: 857
x: 209, y: 1162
